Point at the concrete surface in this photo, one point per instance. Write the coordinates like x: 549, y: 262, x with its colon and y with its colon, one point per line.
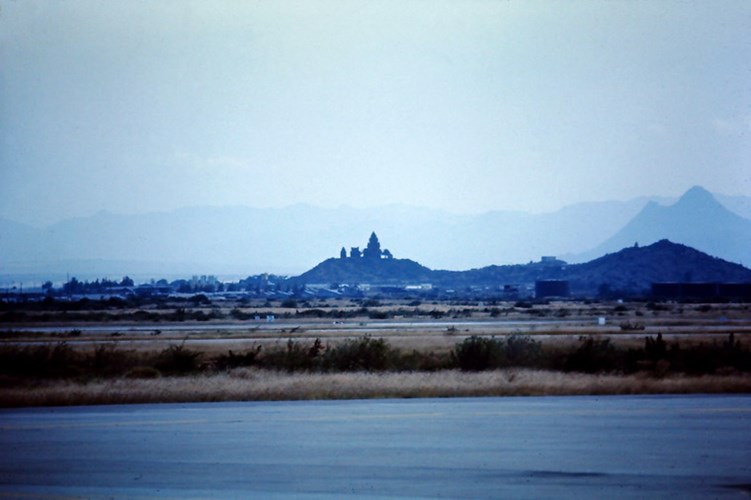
x: 575, y: 447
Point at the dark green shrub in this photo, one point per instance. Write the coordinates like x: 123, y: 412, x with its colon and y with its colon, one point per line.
x: 296, y: 357
x: 178, y: 359
x: 40, y: 361
x: 143, y: 372
x: 106, y: 360
x: 655, y: 349
x: 313, y: 313
x: 480, y: 353
x: 232, y: 360
x: 436, y: 314
x: 289, y: 303
x: 363, y: 354
x: 200, y: 298
x: 239, y: 314
x: 710, y: 358
x: 522, y: 350
x: 141, y: 315
x: 593, y: 355
x: 417, y: 361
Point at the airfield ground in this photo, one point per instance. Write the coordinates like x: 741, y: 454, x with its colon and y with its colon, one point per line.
x: 429, y: 332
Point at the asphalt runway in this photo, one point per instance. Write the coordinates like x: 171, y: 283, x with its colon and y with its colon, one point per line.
x: 533, y: 447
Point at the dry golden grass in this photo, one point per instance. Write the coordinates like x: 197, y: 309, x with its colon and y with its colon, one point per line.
x: 259, y: 385
x: 690, y: 324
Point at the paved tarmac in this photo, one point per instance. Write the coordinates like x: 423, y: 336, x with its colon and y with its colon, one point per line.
x: 533, y: 447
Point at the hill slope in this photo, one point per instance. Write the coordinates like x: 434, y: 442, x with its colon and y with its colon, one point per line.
x: 697, y: 219
x: 361, y: 270
x: 636, y: 268
x: 630, y: 270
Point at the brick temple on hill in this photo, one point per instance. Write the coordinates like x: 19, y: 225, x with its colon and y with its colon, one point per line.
x: 371, y: 252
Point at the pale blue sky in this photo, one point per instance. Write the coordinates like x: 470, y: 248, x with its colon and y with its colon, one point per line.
x: 465, y: 106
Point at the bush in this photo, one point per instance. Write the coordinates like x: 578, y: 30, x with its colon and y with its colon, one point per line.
x: 178, y: 359
x: 231, y: 360
x: 239, y: 314
x: 296, y: 357
x: 480, y: 353
x: 363, y: 354
x: 417, y: 361
x: 729, y: 355
x: 143, y: 372
x: 522, y: 350
x: 39, y: 361
x: 106, y: 360
x: 593, y: 356
x: 200, y: 298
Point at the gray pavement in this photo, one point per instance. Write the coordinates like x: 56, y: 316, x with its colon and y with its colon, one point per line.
x: 537, y: 447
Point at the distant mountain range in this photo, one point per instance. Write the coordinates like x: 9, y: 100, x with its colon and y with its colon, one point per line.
x: 240, y: 241
x: 630, y: 271
x: 697, y: 219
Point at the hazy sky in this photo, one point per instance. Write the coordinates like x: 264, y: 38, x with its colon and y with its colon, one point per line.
x: 467, y: 106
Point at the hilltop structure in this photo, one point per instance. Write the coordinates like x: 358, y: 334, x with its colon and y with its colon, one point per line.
x: 630, y: 272
x: 372, y: 251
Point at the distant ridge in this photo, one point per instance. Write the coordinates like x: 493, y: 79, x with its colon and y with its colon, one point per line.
x: 697, y: 219
x: 636, y: 268
x: 241, y: 241
x: 631, y: 270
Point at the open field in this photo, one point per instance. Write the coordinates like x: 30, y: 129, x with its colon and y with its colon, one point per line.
x: 404, y: 324
x: 345, y: 349
x: 263, y: 385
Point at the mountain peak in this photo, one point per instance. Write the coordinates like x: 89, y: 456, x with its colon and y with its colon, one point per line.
x: 697, y: 196
x: 697, y: 219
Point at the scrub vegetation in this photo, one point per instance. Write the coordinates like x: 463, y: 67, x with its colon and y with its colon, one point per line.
x: 198, y: 350
x: 364, y: 367
x: 243, y: 384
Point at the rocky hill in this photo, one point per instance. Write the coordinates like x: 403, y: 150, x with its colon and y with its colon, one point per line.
x: 629, y: 271
x: 362, y: 271
x: 635, y: 268
x: 697, y: 219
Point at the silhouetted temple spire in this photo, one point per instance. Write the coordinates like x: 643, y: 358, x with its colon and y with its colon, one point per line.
x: 373, y: 250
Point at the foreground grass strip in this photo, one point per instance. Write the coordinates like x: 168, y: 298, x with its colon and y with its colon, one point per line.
x: 259, y: 385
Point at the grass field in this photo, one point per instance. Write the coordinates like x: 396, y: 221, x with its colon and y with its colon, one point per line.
x: 262, y: 385
x: 338, y: 350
